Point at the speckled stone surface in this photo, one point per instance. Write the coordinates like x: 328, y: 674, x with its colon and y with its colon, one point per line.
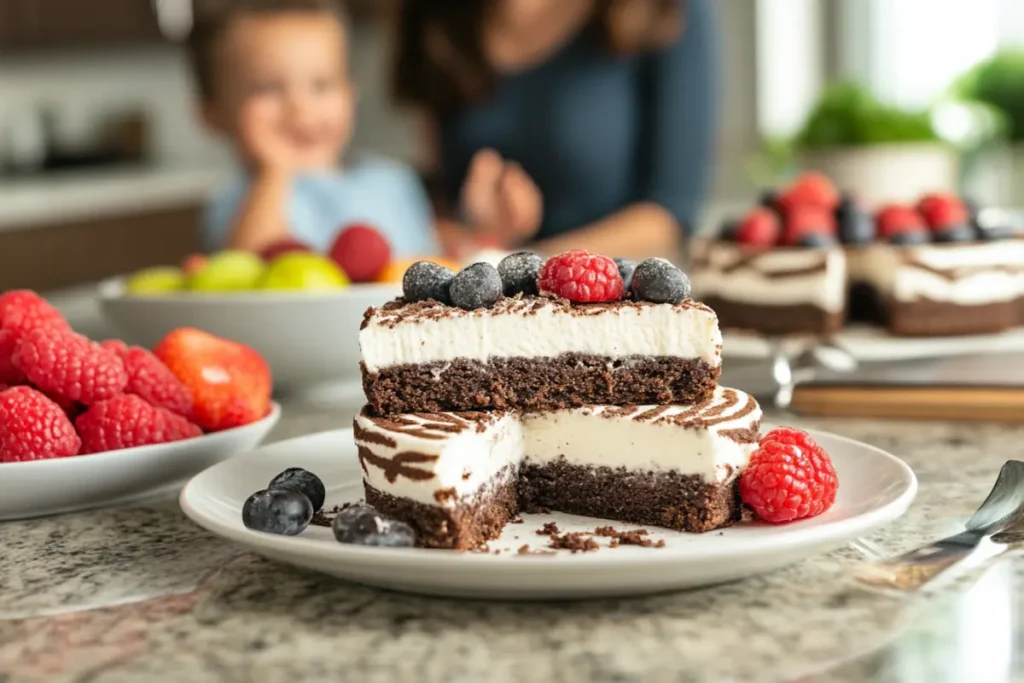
x: 139, y: 593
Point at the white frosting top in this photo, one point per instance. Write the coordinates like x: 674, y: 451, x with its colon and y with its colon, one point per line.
x: 964, y: 274
x: 538, y: 328
x: 780, y: 276
x: 418, y: 455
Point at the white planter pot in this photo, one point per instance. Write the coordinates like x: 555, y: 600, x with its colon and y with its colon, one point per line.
x: 888, y: 173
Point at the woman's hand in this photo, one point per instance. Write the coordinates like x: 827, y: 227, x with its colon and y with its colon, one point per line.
x: 500, y: 200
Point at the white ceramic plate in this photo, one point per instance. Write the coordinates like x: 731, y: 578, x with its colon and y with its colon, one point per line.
x: 47, y: 487
x: 875, y: 488
x: 307, y: 338
x: 873, y: 344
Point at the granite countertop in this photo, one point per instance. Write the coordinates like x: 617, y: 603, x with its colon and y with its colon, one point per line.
x: 140, y: 593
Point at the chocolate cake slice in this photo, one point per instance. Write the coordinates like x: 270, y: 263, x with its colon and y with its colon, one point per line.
x: 537, y: 353
x: 458, y: 478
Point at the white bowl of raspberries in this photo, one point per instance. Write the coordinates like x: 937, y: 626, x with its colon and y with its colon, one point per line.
x: 86, y: 423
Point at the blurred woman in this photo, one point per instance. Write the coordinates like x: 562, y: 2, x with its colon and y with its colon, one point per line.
x: 567, y: 123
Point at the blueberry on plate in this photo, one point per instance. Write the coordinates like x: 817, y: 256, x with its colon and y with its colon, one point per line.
x: 424, y: 280
x: 304, y: 482
x: 626, y: 270
x: 909, y: 237
x: 277, y: 511
x: 363, y: 525
x: 955, y: 233
x: 476, y: 286
x: 519, y: 273
x: 817, y: 240
x: 855, y: 225
x: 659, y: 281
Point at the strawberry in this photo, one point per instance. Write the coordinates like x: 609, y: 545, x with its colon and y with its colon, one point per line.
x: 759, y: 227
x: 808, y: 225
x: 941, y: 211
x: 230, y: 383
x: 361, y: 251
x: 810, y: 189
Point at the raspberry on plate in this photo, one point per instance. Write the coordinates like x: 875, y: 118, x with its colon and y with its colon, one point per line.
x: 8, y: 373
x: 759, y: 227
x: 896, y: 219
x: 230, y: 383
x: 803, y: 223
x: 22, y: 310
x: 32, y: 427
x: 581, y: 277
x: 151, y: 380
x: 810, y: 189
x: 127, y: 421
x: 941, y: 210
x: 70, y: 365
x: 789, y: 477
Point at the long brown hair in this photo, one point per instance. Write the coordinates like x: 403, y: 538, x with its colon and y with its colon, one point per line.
x: 441, y: 61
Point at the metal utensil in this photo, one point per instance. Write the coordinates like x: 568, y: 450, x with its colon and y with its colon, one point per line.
x: 997, y: 524
x: 788, y: 372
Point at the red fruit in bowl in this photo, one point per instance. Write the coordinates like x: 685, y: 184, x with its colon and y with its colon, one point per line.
x: 193, y: 263
x: 284, y: 246
x: 361, y: 251
x: 230, y: 382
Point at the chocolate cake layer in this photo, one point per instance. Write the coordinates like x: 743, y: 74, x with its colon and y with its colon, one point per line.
x: 775, y: 320
x: 465, y: 526
x: 665, y: 499
x: 567, y: 381
x: 923, y: 318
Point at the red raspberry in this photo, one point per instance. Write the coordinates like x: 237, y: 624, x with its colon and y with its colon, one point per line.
x: 361, y: 251
x: 789, y: 477
x: 151, y: 380
x: 22, y: 310
x: 810, y: 189
x: 582, y: 277
x: 894, y: 219
x: 32, y: 427
x: 115, y: 345
x: 127, y: 421
x: 942, y: 211
x: 70, y: 365
x: 802, y: 221
x: 759, y: 227
x: 8, y: 373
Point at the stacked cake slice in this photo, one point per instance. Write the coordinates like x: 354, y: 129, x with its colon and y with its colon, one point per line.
x: 489, y: 398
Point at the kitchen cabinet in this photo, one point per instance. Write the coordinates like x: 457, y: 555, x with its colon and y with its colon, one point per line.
x: 29, y: 24
x: 75, y: 252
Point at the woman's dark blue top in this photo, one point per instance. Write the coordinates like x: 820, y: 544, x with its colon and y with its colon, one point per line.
x: 598, y: 132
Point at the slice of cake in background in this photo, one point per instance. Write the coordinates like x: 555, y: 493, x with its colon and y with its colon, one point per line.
x: 458, y: 478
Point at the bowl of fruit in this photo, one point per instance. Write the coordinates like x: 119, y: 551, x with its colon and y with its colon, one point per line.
x: 300, y: 310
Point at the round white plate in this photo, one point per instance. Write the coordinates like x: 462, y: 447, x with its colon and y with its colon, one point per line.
x: 47, y: 487
x: 873, y: 344
x: 874, y: 488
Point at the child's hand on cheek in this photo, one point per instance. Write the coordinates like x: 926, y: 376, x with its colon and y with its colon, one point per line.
x: 264, y: 138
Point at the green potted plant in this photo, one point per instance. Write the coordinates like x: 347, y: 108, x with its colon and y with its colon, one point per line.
x: 881, y: 152
x: 999, y: 83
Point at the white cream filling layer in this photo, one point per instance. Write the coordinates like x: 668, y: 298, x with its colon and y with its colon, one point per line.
x: 973, y: 274
x: 772, y: 278
x: 546, y: 332
x: 645, y: 438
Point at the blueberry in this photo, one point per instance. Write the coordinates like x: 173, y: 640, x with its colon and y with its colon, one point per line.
x: 770, y: 199
x: 476, y: 286
x: 301, y: 481
x: 955, y: 233
x: 626, y: 270
x: 425, y: 280
x: 519, y: 273
x: 909, y: 237
x: 277, y: 511
x: 657, y: 280
x: 856, y: 226
x: 363, y: 525
x: 817, y: 240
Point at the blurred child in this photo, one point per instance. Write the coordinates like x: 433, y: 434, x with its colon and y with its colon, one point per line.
x: 273, y: 77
